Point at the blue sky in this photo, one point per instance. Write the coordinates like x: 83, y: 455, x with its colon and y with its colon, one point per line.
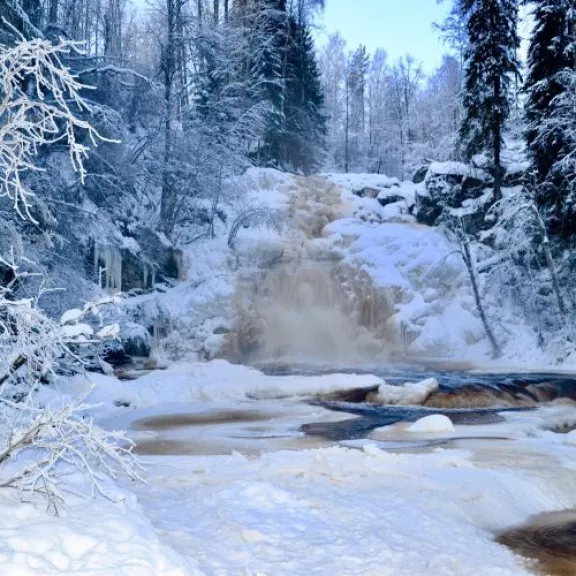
x: 399, y: 26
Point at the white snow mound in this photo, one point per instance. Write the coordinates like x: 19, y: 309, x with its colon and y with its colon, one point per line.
x: 433, y: 423
x: 409, y: 393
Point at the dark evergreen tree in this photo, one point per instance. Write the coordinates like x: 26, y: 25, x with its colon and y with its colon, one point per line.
x: 550, y: 53
x: 304, y: 134
x: 283, y: 67
x: 268, y: 25
x: 549, y: 112
x: 491, y: 67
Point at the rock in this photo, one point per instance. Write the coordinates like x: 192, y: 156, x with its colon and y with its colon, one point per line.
x: 516, y: 176
x: 221, y: 330
x: 367, y: 192
x: 135, y: 340
x: 475, y: 222
x: 451, y: 183
x: 427, y: 210
x: 420, y: 174
x: 114, y: 354
x: 449, y: 186
x: 384, y: 199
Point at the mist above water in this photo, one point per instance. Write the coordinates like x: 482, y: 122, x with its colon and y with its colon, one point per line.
x: 313, y: 311
x: 312, y: 307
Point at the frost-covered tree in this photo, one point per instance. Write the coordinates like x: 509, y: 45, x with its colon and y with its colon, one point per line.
x: 549, y: 114
x: 355, y: 126
x: 39, y: 100
x: 491, y: 67
x: 551, y: 52
x: 36, y: 100
x: 453, y: 31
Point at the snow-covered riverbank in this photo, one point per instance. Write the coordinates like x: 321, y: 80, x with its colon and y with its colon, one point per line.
x: 238, y: 501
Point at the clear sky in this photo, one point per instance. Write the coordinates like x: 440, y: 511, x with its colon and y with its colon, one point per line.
x: 398, y: 26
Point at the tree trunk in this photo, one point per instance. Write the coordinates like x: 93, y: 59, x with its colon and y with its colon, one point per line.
x: 200, y: 13
x: 496, y: 351
x: 167, y: 200
x: 550, y: 261
x: 497, y: 144
x: 216, y: 12
x: 347, y: 129
x: 226, y: 10
x: 53, y: 12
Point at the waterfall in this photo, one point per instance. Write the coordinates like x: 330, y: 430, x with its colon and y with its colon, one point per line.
x: 309, y: 304
x: 309, y: 310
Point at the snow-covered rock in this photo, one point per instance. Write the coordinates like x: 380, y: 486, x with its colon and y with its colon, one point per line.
x: 432, y: 424
x: 409, y: 393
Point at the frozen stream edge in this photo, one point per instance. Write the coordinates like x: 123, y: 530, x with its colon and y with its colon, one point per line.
x: 346, y: 510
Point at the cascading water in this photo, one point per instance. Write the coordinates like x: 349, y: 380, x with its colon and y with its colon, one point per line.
x: 309, y: 305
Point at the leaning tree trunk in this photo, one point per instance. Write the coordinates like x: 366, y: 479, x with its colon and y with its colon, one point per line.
x: 496, y: 350
x: 549, y: 260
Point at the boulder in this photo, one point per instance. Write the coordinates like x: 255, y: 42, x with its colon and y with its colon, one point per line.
x: 367, y: 192
x: 385, y: 198
x: 427, y: 210
x: 420, y: 174
x: 451, y: 183
x: 135, y: 340
x: 114, y: 354
x: 475, y: 222
x: 516, y: 176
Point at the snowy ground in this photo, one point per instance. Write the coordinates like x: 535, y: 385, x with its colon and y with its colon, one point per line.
x: 247, y: 494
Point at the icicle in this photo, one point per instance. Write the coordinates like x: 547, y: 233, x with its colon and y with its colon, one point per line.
x: 112, y: 269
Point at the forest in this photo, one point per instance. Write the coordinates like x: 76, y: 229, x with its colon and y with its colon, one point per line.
x: 115, y: 168
x: 208, y: 209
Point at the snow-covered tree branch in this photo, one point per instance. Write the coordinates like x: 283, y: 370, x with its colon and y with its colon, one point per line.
x: 39, y: 104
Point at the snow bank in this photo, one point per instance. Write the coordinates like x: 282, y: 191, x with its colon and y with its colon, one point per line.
x: 365, y: 510
x: 93, y: 537
x: 204, y: 382
x: 408, y: 393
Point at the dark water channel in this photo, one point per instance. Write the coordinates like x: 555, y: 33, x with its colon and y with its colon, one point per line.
x: 466, y: 397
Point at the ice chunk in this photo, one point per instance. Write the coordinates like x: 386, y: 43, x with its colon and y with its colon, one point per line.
x: 433, y: 423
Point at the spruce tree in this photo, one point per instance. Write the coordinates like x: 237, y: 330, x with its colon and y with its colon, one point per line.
x: 305, y: 121
x: 283, y: 66
x: 268, y: 23
x: 491, y: 67
x: 551, y: 96
x: 550, y: 53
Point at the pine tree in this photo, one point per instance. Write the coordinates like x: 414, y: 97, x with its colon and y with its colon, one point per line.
x: 491, y: 67
x: 550, y: 53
